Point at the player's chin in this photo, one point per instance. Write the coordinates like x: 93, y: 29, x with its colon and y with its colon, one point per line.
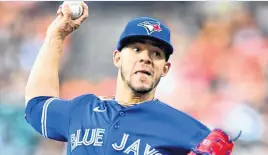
x: 142, y: 88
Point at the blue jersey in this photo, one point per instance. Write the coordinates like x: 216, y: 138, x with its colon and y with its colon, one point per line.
x: 94, y: 126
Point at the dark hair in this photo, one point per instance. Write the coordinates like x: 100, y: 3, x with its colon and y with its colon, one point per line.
x: 159, y: 44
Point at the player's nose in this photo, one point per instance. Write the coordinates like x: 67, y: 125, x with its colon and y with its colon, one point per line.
x: 145, y: 57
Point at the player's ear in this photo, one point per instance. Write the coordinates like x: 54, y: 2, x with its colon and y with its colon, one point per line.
x: 116, y: 58
x: 166, y: 69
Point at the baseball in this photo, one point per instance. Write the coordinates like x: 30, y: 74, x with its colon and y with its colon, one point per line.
x: 76, y: 8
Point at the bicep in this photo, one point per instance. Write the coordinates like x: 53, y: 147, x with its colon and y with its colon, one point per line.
x: 49, y: 116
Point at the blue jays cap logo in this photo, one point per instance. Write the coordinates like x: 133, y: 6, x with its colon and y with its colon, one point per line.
x: 151, y: 26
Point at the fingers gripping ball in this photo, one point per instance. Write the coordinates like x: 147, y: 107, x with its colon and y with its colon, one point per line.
x: 216, y: 143
x: 75, y: 7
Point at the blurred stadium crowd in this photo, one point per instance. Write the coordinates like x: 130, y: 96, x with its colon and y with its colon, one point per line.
x: 219, y: 69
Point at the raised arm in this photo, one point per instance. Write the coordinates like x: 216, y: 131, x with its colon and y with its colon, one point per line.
x: 46, y: 113
x: 43, y: 79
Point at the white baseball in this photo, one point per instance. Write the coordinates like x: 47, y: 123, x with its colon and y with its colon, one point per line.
x: 76, y: 8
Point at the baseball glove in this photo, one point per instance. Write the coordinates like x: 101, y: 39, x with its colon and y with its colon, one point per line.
x: 216, y: 143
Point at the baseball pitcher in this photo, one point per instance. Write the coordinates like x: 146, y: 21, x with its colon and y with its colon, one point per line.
x: 132, y: 122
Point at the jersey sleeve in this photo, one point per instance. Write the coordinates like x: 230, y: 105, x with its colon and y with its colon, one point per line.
x: 50, y: 116
x: 200, y: 135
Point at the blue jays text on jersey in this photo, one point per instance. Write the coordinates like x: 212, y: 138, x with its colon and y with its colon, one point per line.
x: 92, y: 125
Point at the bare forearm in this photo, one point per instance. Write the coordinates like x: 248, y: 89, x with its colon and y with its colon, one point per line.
x: 44, y: 77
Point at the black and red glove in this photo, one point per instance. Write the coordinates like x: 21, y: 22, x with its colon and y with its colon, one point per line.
x: 216, y: 143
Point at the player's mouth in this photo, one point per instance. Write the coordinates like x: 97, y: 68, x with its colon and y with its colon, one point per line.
x: 145, y: 72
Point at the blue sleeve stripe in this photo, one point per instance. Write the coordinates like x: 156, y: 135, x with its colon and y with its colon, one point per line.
x: 44, y: 116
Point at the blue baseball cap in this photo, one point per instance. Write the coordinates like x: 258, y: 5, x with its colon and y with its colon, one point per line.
x: 146, y: 28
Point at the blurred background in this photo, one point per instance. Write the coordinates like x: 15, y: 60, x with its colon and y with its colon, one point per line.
x: 219, y: 68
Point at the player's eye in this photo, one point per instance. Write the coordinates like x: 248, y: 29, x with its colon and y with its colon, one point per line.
x: 157, y: 54
x: 136, y: 49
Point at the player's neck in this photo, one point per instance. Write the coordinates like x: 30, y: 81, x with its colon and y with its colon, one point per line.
x: 128, y: 100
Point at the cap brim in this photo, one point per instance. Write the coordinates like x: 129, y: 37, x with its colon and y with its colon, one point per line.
x: 132, y: 38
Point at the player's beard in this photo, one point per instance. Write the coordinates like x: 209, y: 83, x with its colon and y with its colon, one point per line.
x: 141, y: 90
